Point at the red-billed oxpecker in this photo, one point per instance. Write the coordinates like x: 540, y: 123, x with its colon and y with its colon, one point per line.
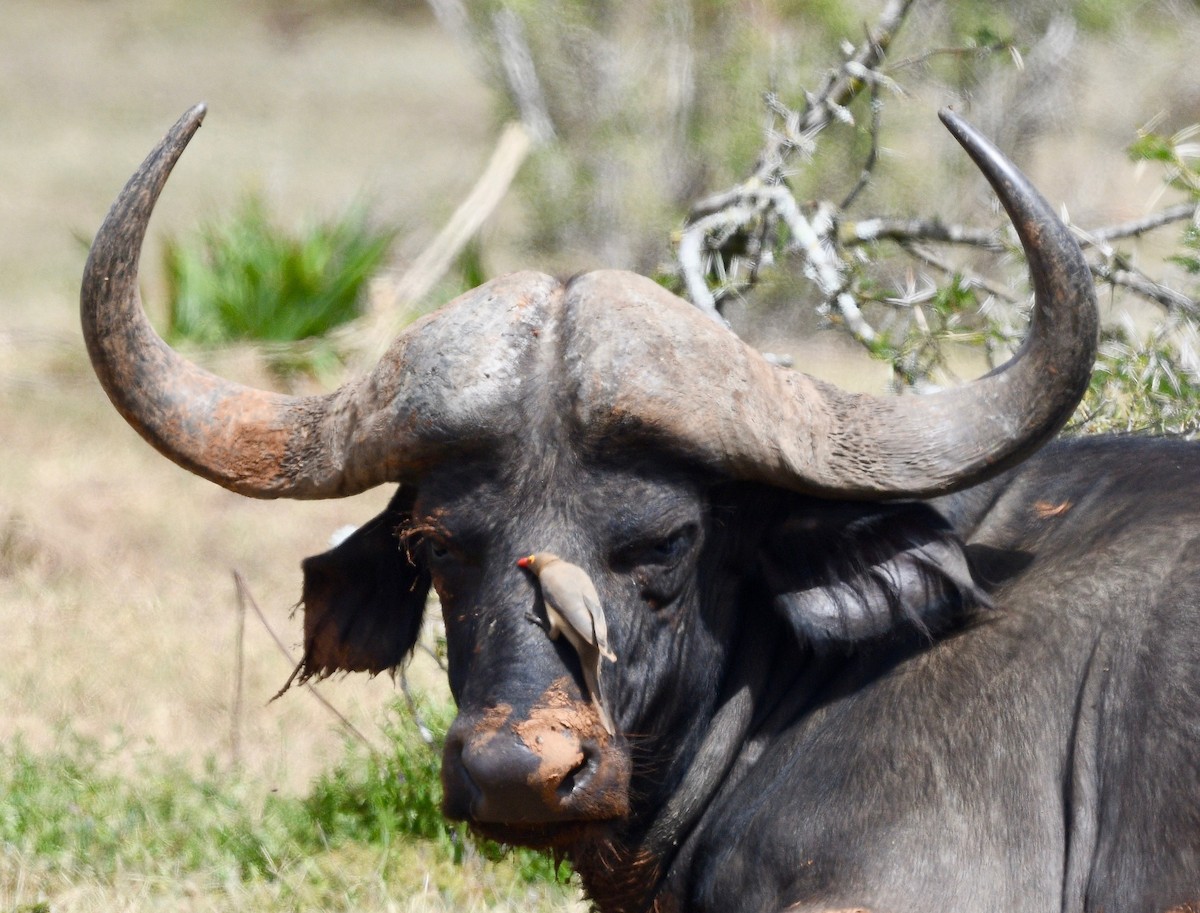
x: 573, y: 609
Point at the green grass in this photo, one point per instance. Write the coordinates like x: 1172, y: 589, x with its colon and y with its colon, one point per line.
x: 70, y: 812
x: 80, y: 813
x: 246, y: 279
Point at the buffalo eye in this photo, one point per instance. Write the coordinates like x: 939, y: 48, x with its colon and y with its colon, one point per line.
x: 656, y: 551
x: 670, y: 549
x: 657, y: 565
x: 439, y: 550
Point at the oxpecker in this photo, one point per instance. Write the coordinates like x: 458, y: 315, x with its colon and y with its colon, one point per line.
x: 574, y: 610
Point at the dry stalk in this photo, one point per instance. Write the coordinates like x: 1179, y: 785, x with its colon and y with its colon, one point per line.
x: 392, y: 300
x: 239, y: 676
x: 244, y: 594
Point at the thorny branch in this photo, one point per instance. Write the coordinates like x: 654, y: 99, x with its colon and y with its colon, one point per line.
x: 764, y: 198
x: 730, y: 237
x: 969, y: 277
x: 872, y: 160
x: 1146, y: 288
x: 910, y: 233
x: 841, y: 86
x: 971, y: 50
x: 907, y: 231
x: 1178, y: 213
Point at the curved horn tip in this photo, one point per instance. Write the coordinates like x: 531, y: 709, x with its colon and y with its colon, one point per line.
x: 189, y: 122
x: 964, y: 131
x: 180, y: 134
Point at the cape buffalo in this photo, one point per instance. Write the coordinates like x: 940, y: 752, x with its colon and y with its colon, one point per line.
x: 885, y: 653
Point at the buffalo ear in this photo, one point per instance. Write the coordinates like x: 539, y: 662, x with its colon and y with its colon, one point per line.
x: 363, y: 599
x: 851, y: 573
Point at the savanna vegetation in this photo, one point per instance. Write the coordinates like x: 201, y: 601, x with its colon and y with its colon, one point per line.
x: 143, y: 765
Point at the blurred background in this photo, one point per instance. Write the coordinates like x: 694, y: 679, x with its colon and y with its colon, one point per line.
x: 144, y: 764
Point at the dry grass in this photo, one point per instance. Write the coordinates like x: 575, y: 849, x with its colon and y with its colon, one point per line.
x: 115, y: 588
x: 353, y: 881
x: 119, y: 603
x: 116, y: 598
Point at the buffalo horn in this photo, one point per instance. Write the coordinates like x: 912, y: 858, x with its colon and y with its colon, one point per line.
x: 718, y: 402
x: 467, y: 375
x: 430, y: 390
x: 926, y: 445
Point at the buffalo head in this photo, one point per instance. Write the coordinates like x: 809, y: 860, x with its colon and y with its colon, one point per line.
x: 718, y: 504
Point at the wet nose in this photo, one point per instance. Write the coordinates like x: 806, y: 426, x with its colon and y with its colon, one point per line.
x: 531, y: 772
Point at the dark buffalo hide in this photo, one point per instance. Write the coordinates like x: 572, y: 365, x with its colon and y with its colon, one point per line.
x: 828, y: 693
x: 985, y: 702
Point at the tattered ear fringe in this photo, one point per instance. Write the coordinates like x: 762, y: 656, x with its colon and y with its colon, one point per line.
x: 299, y: 676
x: 889, y: 571
x: 304, y: 670
x: 970, y: 594
x: 307, y: 670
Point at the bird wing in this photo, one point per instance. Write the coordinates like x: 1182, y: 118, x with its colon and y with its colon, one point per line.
x: 571, y: 591
x: 599, y: 625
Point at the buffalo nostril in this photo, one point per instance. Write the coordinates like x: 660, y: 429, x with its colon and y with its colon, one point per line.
x: 460, y: 792
x: 468, y: 781
x: 579, y: 776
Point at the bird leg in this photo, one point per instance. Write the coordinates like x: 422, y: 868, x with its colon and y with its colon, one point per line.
x: 534, y: 618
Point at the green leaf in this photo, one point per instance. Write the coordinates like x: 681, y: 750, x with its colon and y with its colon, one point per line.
x: 1152, y: 147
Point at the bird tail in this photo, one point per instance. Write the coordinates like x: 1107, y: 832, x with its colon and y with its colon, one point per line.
x: 592, y: 679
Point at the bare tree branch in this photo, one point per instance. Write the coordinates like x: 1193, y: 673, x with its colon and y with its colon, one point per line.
x: 840, y: 88
x: 969, y: 277
x: 868, y: 168
x: 970, y: 50
x: 906, y: 231
x: 1179, y: 213
x: 1146, y: 288
x: 745, y: 211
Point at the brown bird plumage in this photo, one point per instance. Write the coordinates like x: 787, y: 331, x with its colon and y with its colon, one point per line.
x: 573, y: 609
